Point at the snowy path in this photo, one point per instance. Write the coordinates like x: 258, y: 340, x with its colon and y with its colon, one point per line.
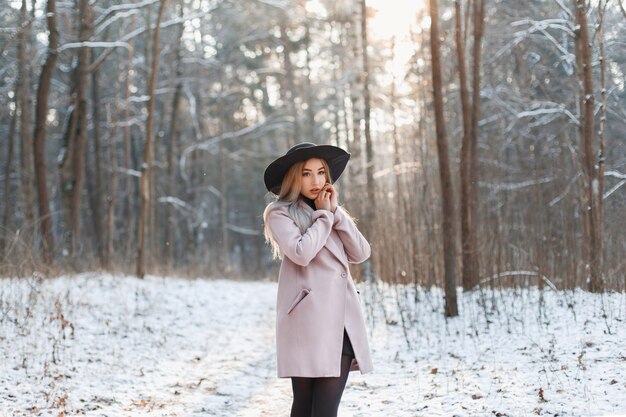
x: 102, y: 345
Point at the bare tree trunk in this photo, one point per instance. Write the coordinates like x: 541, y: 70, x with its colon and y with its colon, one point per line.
x: 23, y: 102
x: 602, y: 133
x: 444, y: 168
x: 369, y: 150
x: 466, y: 242
x: 81, y: 137
x: 355, y: 171
x: 355, y: 104
x: 310, y: 110
x: 8, y: 209
x: 112, y: 119
x: 144, y: 184
x: 128, y: 185
x: 289, y: 89
x: 41, y: 112
x: 171, y: 146
x: 225, y: 247
x: 479, y: 18
x: 95, y: 188
x: 73, y: 164
x: 587, y: 147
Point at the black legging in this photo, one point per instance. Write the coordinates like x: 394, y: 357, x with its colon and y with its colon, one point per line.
x: 319, y: 397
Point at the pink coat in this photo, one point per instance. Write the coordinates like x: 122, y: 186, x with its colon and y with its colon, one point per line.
x: 316, y: 295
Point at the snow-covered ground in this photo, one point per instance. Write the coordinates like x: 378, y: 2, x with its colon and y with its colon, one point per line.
x: 103, y: 345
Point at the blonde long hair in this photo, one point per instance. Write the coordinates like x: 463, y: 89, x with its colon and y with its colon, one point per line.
x: 288, y: 196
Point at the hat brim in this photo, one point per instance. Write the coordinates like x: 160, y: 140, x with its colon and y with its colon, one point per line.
x: 336, y: 158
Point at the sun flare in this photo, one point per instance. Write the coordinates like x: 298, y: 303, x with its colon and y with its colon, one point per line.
x: 394, y: 18
x: 397, y: 19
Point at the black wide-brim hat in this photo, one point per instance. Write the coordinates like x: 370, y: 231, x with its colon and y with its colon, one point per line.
x: 335, y: 157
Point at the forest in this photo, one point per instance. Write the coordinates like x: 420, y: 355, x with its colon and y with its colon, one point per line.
x: 487, y: 173
x: 135, y: 134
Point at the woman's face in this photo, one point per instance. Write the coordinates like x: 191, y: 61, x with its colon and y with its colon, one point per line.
x: 313, y: 178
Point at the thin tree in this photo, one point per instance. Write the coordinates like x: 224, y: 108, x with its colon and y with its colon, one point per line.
x: 41, y: 112
x: 72, y: 166
x: 94, y: 169
x: 171, y: 144
x: 450, y: 308
x: 601, y: 134
x: 369, y: 150
x: 590, y: 201
x: 7, y: 184
x: 289, y: 89
x: 466, y: 242
x: 144, y: 182
x: 472, y: 259
x: 23, y: 101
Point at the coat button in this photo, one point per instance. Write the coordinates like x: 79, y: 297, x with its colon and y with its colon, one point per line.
x: 343, y: 274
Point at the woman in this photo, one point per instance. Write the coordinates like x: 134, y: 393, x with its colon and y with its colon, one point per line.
x: 320, y: 330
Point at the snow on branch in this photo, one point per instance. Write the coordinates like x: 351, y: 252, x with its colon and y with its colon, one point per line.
x: 612, y: 190
x: 549, y: 110
x: 123, y: 8
x: 243, y: 230
x: 615, y: 174
x: 184, y: 207
x: 177, y: 202
x: 13, y: 33
x: 514, y: 185
x: 141, y: 30
x: 90, y: 44
x: 171, y: 22
x: 128, y: 171
x: 279, y: 4
x: 210, y: 144
x: 540, y: 25
x: 119, y: 16
x: 516, y: 274
x: 566, y: 10
x: 565, y: 191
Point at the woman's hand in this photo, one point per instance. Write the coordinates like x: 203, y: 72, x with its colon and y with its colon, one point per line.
x: 322, y: 201
x: 334, y: 198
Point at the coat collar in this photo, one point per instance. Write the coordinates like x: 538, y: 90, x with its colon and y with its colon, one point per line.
x: 331, y: 244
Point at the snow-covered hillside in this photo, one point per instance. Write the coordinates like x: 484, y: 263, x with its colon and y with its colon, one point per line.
x: 102, y: 345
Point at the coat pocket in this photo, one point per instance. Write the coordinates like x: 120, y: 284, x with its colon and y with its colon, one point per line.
x: 303, y: 293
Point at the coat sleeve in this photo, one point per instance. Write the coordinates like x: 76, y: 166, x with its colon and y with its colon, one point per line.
x: 299, y: 247
x: 356, y: 246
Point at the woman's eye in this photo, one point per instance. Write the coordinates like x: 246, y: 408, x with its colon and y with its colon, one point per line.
x: 306, y: 174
